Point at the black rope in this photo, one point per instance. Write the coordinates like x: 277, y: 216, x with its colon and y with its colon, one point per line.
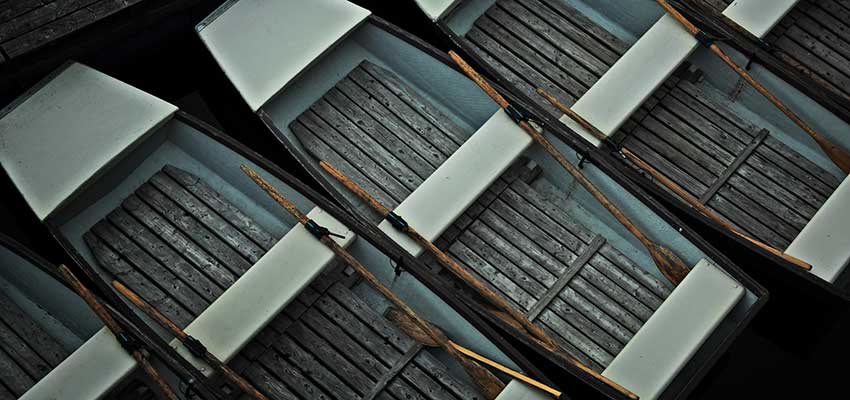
x: 320, y: 231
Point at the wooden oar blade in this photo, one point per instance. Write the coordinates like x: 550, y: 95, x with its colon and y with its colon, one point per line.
x: 410, y: 328
x: 671, y: 266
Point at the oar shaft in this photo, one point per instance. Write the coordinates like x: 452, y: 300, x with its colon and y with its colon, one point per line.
x: 116, y: 329
x: 556, y: 154
x: 708, y: 212
x: 537, y: 137
x: 181, y: 335
x: 447, y: 261
x: 839, y: 156
x: 474, y: 369
x: 508, y: 371
x: 573, y: 115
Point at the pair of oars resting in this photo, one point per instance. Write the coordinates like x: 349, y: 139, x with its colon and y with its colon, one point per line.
x: 504, y: 310
x: 672, y: 186
x: 489, y: 385
x: 409, y: 327
x: 126, y: 339
x: 192, y: 344
x: 838, y: 155
x: 670, y: 265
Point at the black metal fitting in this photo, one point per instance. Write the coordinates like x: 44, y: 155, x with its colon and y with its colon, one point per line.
x: 128, y: 341
x: 195, y: 347
x: 397, y: 221
x: 320, y: 231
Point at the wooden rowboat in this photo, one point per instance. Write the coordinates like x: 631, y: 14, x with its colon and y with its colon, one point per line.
x: 42, y: 323
x: 632, y: 71
x: 397, y: 118
x: 142, y: 193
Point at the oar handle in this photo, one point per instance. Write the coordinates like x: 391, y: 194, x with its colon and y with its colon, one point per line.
x: 479, y: 80
x: 702, y: 208
x: 150, y: 310
x: 447, y: 261
x: 573, y: 115
x: 355, y: 188
x: 688, y: 25
x: 116, y: 329
x: 508, y: 371
x: 275, y: 194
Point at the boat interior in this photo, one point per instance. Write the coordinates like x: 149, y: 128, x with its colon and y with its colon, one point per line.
x: 172, y: 217
x: 687, y: 113
x: 41, y: 321
x: 392, y: 117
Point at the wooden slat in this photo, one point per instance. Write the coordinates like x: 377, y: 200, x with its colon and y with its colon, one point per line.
x: 318, y: 373
x: 185, y: 246
x: 564, y: 279
x: 222, y: 206
x: 12, y: 376
x: 26, y: 329
x: 141, y: 261
x: 129, y: 276
x: 450, y: 131
x: 19, y: 351
x: 192, y: 228
x: 732, y: 168
x: 379, y: 386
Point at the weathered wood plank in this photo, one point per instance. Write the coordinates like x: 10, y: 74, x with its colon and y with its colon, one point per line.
x: 12, y: 376
x: 267, y: 383
x: 564, y: 279
x: 290, y: 375
x: 19, y: 351
x: 793, y: 159
x: 679, y: 152
x: 437, y: 370
x: 375, y: 389
x: 186, y: 247
x: 165, y: 255
x: 354, y: 155
x: 586, y: 53
x: 532, y: 46
x: 222, y: 206
x: 389, y: 121
x: 156, y: 272
x: 390, y: 81
x: 323, y: 152
x: 513, y: 292
x: 378, y: 156
x: 192, y: 228
x: 755, y: 225
x: 667, y: 167
x: 129, y: 276
x: 26, y: 329
x: 504, y: 255
x: 597, y: 33
x: 568, y: 333
x: 800, y: 186
x: 310, y: 367
x: 585, y: 290
x: 740, y: 158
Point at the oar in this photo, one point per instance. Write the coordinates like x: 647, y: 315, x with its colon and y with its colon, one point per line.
x: 192, y: 344
x: 670, y: 265
x: 403, y: 322
x: 505, y: 311
x: 489, y: 384
x: 839, y: 156
x: 458, y: 270
x: 127, y: 341
x: 669, y: 184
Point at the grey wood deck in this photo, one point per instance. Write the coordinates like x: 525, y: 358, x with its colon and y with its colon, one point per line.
x: 28, y: 24
x: 566, y: 278
x: 27, y: 352
x: 688, y: 131
x: 180, y: 245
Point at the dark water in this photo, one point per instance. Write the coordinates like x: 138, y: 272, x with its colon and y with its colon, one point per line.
x: 795, y: 348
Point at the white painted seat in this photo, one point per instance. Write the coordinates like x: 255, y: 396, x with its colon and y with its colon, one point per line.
x: 460, y: 180
x: 674, y: 333
x: 652, y: 59
x: 50, y: 153
x: 825, y: 241
x: 262, y: 55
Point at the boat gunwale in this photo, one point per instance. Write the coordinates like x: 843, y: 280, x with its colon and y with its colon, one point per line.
x: 727, y: 265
